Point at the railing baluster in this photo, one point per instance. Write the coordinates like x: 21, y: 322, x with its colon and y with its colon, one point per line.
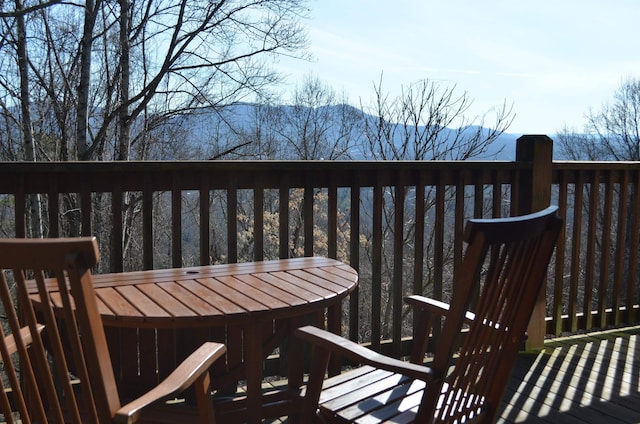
x: 589, y: 277
x: 117, y: 262
x: 176, y: 221
x: 418, y: 255
x: 147, y: 224
x: 478, y: 195
x: 232, y: 223
x: 496, y: 195
x: 354, y: 258
x: 620, y: 251
x: 376, y: 266
x: 332, y: 220
x: 438, y: 249
x: 576, y: 253
x: 284, y: 219
x: 515, y: 192
x: 86, y: 209
x: 634, y: 244
x: 558, y: 291
x: 605, y: 251
x: 20, y: 211
x: 258, y: 223
x: 308, y: 222
x: 54, y: 208
x: 205, y: 223
x: 398, y: 262
x: 459, y: 219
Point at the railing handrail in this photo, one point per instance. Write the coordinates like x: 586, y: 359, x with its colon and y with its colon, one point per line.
x: 320, y: 170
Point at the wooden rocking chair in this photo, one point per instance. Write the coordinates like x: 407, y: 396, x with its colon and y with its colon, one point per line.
x: 55, y: 361
x: 505, y: 263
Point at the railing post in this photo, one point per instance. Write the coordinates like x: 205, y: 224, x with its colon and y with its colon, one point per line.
x: 535, y: 194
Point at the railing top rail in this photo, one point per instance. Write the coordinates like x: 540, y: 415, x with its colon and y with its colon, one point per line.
x: 595, y: 165
x: 193, y: 175
x: 250, y: 165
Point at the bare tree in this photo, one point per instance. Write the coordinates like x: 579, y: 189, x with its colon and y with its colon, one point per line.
x: 35, y: 204
x: 427, y: 121
x: 611, y: 133
x: 84, y: 150
x: 319, y: 124
x: 114, y: 72
x: 103, y: 79
x: 316, y: 124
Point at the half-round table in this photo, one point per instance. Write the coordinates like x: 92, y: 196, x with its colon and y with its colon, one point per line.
x: 154, y: 318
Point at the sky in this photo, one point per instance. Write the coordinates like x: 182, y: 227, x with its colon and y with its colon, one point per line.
x: 553, y: 61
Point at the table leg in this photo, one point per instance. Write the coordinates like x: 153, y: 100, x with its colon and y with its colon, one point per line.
x: 232, y: 335
x: 334, y: 325
x: 295, y: 354
x: 253, y: 361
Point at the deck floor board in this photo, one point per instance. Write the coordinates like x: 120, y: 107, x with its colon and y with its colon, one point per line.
x: 589, y: 378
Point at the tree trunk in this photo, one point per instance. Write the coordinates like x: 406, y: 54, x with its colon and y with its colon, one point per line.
x: 35, y: 206
x: 123, y: 114
x: 82, y: 127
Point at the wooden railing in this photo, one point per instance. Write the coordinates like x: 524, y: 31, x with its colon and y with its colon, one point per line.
x: 595, y: 281
x: 398, y: 223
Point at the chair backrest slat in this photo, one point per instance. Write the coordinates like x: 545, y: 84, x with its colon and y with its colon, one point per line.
x: 506, y: 263
x: 58, y: 353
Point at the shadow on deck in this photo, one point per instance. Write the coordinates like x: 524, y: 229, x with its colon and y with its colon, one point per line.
x: 589, y: 378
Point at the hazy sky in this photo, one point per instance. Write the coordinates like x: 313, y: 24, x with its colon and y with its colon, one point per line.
x: 553, y: 60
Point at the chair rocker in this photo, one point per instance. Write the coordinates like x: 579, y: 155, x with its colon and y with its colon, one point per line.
x: 56, y: 365
x: 504, y: 266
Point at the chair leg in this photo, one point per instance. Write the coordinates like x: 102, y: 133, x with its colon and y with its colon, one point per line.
x: 203, y: 398
x: 319, y: 363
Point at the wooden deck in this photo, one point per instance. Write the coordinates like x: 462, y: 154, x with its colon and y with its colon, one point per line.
x: 590, y: 378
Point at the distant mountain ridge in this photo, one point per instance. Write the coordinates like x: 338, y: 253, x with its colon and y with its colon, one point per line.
x: 228, y: 122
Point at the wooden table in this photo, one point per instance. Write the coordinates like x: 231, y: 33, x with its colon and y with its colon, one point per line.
x: 249, y: 306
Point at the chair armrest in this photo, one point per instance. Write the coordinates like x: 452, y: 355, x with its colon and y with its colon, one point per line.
x: 25, y: 336
x: 192, y: 368
x: 355, y: 352
x: 435, y: 307
x: 441, y: 308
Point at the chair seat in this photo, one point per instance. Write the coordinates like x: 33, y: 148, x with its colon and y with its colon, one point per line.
x: 370, y: 395
x: 180, y: 413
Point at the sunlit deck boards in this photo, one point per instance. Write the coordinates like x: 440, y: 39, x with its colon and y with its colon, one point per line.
x: 591, y: 378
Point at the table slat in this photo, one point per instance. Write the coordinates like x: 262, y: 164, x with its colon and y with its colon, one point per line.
x: 273, y: 290
x: 303, y: 282
x: 196, y: 304
x: 142, y: 302
x: 269, y: 302
x: 176, y: 309
x: 203, y: 290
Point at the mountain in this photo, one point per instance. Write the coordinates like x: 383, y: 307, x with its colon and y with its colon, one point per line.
x: 221, y: 128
